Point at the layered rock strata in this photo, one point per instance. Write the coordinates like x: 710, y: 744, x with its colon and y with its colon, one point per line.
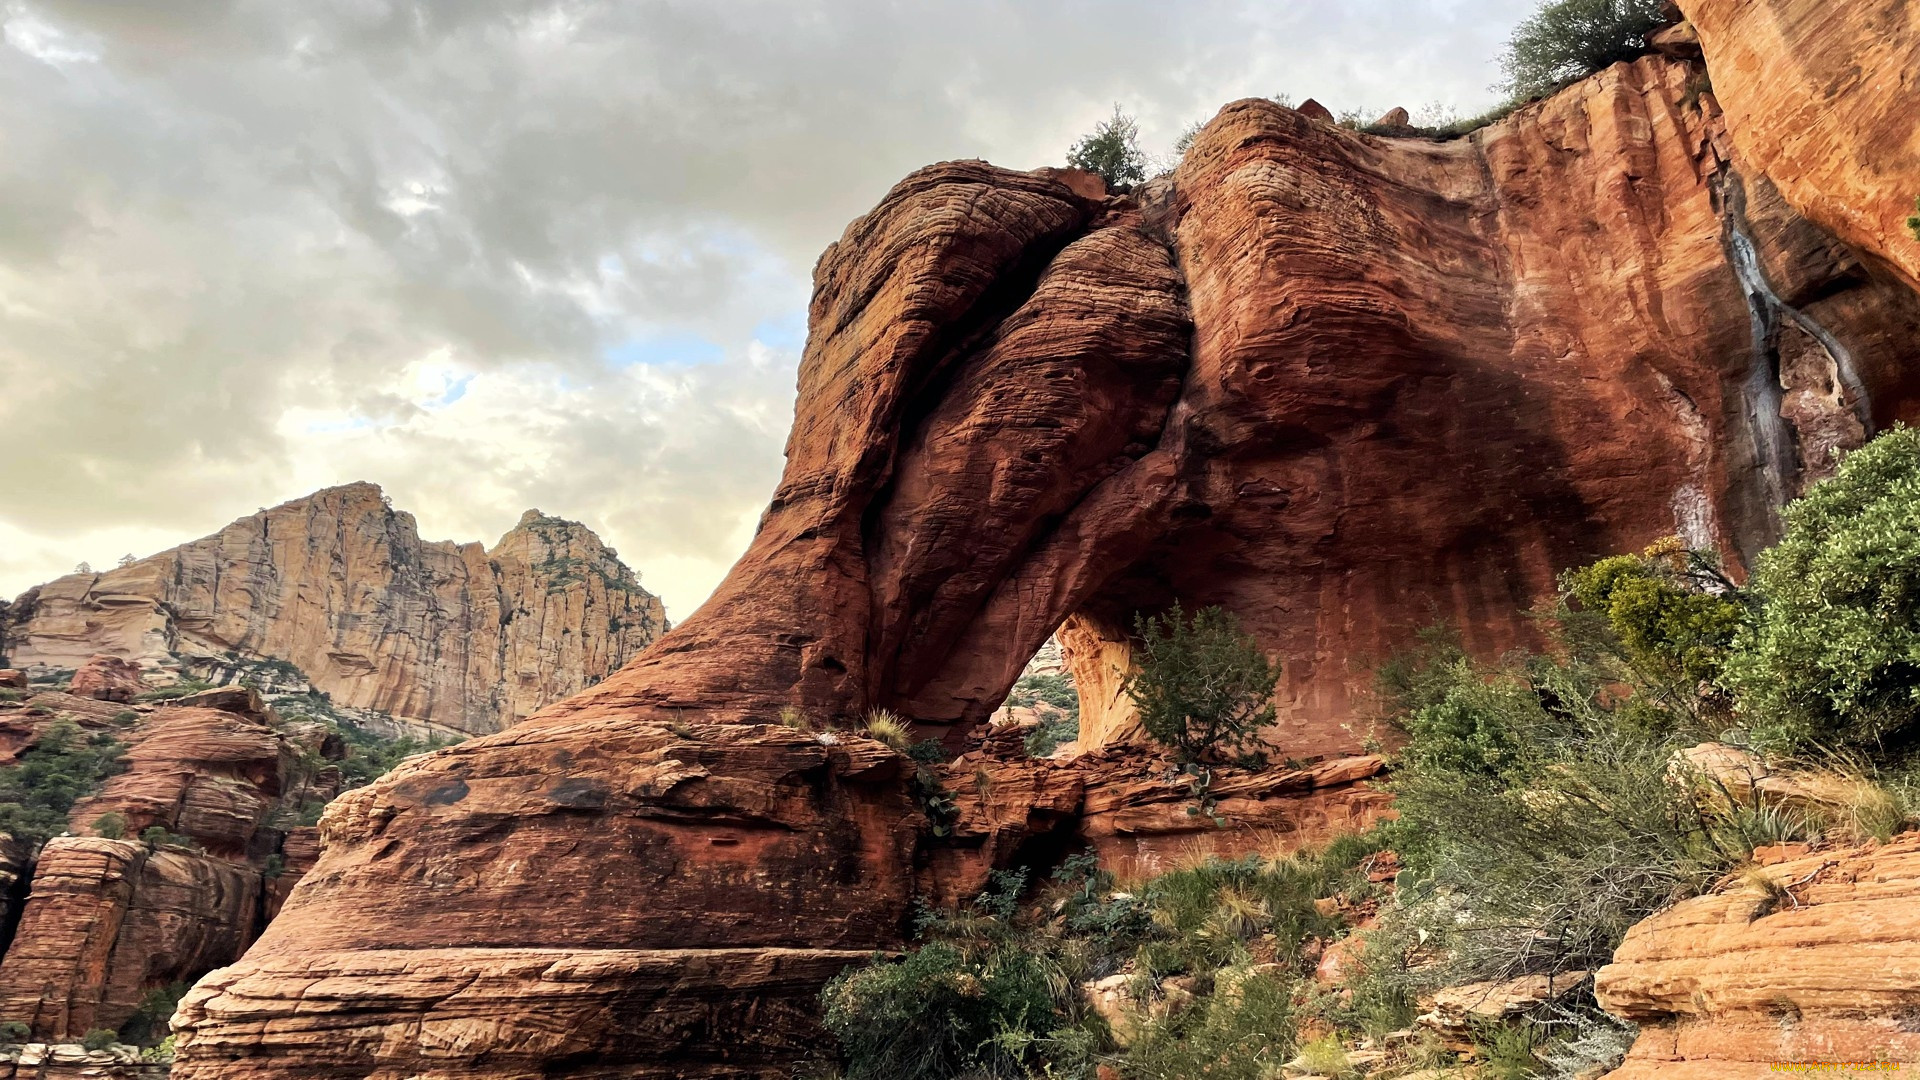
x: 442, y: 637
x: 107, y: 921
x: 1343, y: 386
x: 1820, y: 965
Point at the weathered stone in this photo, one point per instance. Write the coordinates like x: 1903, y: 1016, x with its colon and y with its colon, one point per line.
x: 107, y: 678
x: 687, y: 864
x: 1821, y: 968
x: 1395, y: 117
x: 13, y: 679
x: 1459, y: 1012
x: 1820, y: 99
x: 1313, y: 110
x: 441, y: 636
x: 207, y: 774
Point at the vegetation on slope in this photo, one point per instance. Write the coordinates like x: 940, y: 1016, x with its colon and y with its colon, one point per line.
x: 66, y: 764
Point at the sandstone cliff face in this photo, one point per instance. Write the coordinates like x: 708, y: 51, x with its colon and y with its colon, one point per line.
x: 1726, y: 984
x: 1344, y: 386
x: 107, y: 921
x: 441, y: 636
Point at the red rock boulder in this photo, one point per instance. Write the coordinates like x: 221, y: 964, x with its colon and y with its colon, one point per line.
x: 108, y: 678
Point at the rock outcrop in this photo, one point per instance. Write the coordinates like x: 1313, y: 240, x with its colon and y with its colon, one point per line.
x: 443, y: 637
x: 107, y: 678
x: 1818, y: 966
x: 1821, y: 99
x: 108, y: 920
x: 1344, y: 386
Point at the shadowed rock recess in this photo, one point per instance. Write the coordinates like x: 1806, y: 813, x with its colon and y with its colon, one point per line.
x: 1345, y: 386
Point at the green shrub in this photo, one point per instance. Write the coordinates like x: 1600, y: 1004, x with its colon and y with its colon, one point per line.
x: 1538, y: 818
x: 111, y: 825
x: 99, y: 1039
x: 1202, y: 687
x: 13, y: 1032
x: 158, y: 836
x: 63, y: 766
x: 149, y: 1023
x: 1050, y: 733
x: 1913, y: 223
x: 1569, y: 39
x: 8, y: 693
x: 1113, y: 151
x: 1243, y: 1035
x: 973, y: 1001
x: 1833, y: 658
x: 1673, y: 611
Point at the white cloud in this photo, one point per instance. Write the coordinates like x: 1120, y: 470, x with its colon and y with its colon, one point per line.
x: 494, y: 254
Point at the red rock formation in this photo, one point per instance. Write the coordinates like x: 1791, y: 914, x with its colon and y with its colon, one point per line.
x: 1819, y: 98
x: 741, y: 840
x: 12, y: 679
x: 109, y: 920
x: 1343, y: 386
x: 1726, y: 984
x: 107, y: 678
x: 451, y: 637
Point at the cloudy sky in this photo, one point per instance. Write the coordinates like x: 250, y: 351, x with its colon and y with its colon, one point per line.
x: 495, y: 254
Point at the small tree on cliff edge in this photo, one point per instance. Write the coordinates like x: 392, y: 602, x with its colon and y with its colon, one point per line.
x: 1113, y: 151
x: 1203, y: 688
x: 1571, y: 39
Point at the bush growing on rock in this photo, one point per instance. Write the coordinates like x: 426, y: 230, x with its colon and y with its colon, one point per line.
x: 64, y: 766
x: 111, y: 825
x: 1568, y: 39
x: 1913, y: 223
x: 1113, y: 151
x: 98, y: 1039
x: 1833, y: 659
x: 1203, y: 688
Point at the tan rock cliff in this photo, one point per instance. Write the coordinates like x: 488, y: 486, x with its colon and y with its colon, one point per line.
x: 442, y: 636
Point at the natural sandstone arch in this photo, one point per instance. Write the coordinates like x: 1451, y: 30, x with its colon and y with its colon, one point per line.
x: 1346, y: 387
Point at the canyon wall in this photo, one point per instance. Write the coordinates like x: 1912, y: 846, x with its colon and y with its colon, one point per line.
x: 445, y: 638
x: 1346, y: 386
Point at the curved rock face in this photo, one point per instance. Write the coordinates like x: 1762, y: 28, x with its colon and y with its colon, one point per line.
x: 440, y: 636
x: 1727, y: 984
x: 1344, y: 386
x: 1821, y: 98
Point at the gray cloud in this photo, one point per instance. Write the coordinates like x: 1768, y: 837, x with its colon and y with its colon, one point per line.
x: 252, y: 247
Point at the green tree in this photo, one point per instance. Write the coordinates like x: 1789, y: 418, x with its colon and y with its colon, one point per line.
x: 1672, y: 610
x: 1113, y: 151
x: 1568, y: 39
x: 1202, y: 687
x: 1914, y: 221
x: 1833, y: 659
x: 111, y: 825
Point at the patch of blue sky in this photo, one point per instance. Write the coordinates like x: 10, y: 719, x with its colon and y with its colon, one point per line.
x: 788, y: 331
x: 456, y: 390
x: 679, y: 350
